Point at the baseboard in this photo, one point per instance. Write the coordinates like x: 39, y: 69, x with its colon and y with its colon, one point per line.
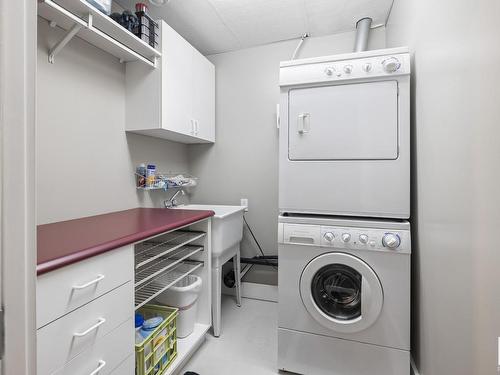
x: 255, y: 291
x: 414, y: 369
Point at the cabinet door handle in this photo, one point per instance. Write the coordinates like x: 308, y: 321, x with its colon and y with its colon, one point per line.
x: 100, y: 322
x: 86, y: 285
x: 99, y: 367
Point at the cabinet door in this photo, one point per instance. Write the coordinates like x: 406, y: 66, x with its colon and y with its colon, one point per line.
x: 176, y: 101
x: 203, y: 97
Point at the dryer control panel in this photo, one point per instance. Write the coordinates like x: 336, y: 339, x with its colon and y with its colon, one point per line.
x: 347, y: 68
x: 352, y: 238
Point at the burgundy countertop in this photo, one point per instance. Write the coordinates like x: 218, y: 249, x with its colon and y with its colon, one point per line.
x: 66, y: 242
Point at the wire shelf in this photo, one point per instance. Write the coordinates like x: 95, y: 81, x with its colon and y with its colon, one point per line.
x: 155, y: 287
x: 149, y: 251
x: 164, y: 264
x: 165, y: 181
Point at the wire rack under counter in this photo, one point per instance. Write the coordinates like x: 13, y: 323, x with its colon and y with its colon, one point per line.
x: 153, y: 288
x: 148, y: 251
x: 164, y: 264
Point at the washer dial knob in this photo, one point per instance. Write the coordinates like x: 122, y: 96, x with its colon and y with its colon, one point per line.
x: 367, y: 67
x: 391, y: 65
x: 391, y: 240
x: 329, y: 236
x: 363, y: 238
x: 346, y: 237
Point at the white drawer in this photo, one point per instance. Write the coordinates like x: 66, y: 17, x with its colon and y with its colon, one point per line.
x: 126, y: 368
x: 64, y: 339
x: 61, y: 291
x: 108, y: 353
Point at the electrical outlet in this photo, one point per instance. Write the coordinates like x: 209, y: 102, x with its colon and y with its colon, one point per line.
x: 244, y: 202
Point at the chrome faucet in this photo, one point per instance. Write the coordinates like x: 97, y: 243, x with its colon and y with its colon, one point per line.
x: 172, y: 202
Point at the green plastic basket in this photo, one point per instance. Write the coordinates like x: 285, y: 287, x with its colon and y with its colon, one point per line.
x: 156, y: 353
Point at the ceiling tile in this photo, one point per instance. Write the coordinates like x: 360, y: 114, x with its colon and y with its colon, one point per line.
x: 215, y: 26
x: 197, y: 21
x: 256, y: 22
x: 333, y: 16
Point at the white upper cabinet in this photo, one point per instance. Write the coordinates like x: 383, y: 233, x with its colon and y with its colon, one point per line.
x: 176, y: 101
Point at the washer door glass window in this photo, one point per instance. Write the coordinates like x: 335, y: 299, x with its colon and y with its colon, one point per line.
x: 336, y: 289
x: 341, y: 292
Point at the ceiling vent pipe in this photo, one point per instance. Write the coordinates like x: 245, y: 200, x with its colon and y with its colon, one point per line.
x: 362, y: 34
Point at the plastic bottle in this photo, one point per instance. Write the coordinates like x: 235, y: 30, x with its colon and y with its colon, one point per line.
x: 140, y: 172
x: 150, y: 175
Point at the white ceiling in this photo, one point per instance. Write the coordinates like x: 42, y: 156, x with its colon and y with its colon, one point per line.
x: 215, y: 26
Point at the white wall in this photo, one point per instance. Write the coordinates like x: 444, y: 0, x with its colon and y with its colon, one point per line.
x: 456, y: 205
x: 85, y: 160
x: 243, y: 163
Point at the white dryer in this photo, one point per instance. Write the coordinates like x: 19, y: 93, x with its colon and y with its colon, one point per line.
x: 345, y: 135
x: 344, y: 296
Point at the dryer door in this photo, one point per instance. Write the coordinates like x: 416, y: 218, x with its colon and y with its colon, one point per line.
x: 341, y: 292
x: 344, y: 122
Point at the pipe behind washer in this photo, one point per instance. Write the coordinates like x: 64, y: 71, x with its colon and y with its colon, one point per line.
x: 362, y: 34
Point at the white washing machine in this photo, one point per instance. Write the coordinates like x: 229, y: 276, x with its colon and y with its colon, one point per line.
x: 344, y: 296
x: 344, y: 145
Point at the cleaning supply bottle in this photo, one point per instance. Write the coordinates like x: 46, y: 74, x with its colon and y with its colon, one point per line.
x: 140, y: 174
x: 150, y: 175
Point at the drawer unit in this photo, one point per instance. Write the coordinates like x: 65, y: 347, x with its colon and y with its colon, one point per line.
x: 106, y: 355
x: 62, y: 340
x: 64, y: 290
x: 127, y: 367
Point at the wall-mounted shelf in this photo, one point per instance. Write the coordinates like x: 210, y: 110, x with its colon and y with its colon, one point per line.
x: 80, y: 18
x: 166, y: 181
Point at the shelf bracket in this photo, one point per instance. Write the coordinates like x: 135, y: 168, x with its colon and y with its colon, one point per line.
x: 62, y: 43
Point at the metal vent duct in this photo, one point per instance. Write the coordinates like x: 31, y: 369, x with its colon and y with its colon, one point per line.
x: 362, y: 34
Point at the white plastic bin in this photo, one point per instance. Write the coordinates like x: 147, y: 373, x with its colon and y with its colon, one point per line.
x: 184, y: 296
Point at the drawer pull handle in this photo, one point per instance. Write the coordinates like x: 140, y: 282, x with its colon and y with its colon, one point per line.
x: 83, y: 286
x: 100, y: 322
x: 99, y: 368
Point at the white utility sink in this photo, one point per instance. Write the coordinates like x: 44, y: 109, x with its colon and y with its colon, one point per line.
x: 227, y: 229
x: 227, y: 232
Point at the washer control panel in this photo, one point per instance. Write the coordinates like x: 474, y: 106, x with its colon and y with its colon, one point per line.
x: 368, y: 239
x: 376, y: 239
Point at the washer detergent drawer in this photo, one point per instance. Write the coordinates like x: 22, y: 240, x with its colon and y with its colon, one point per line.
x: 344, y: 122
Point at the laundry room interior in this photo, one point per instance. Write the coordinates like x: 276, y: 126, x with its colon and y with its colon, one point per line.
x: 215, y: 187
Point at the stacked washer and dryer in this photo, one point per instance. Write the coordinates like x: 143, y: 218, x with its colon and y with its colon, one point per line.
x: 344, y: 199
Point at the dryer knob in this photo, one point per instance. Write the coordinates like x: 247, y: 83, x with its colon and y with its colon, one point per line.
x: 391, y: 240
x: 348, y: 69
x: 391, y: 65
x: 329, y: 236
x: 346, y: 237
x: 329, y: 71
x: 367, y: 67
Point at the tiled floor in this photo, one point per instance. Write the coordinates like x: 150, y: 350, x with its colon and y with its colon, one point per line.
x: 247, y: 345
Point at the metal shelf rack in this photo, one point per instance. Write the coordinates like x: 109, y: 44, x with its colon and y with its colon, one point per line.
x: 148, y: 251
x: 164, y: 264
x: 148, y: 291
x: 80, y: 18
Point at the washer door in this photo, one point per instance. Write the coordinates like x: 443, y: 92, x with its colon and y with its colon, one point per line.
x: 341, y: 292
